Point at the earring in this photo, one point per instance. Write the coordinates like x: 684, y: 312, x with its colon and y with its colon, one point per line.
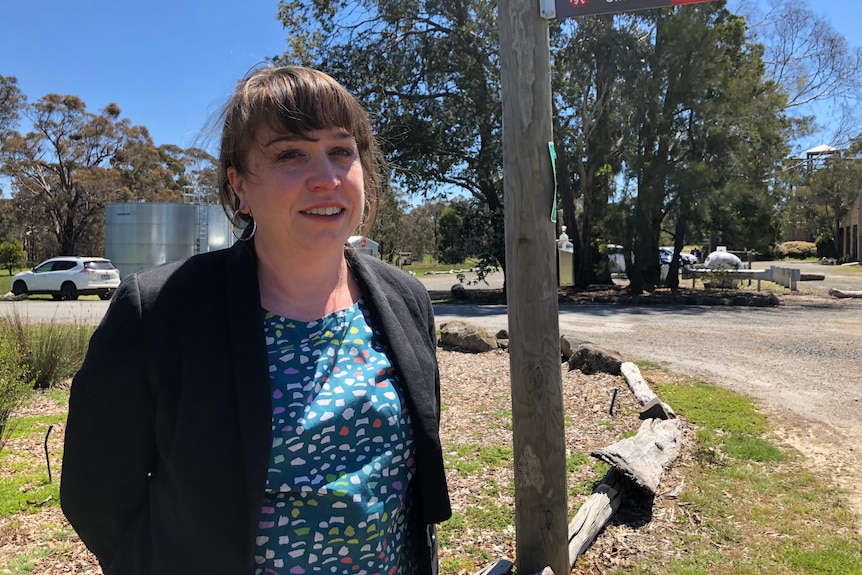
x: 233, y: 227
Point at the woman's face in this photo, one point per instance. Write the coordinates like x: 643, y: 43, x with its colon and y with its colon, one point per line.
x: 304, y: 193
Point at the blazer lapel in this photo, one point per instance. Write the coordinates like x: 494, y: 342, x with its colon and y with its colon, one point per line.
x: 390, y: 312
x: 250, y: 372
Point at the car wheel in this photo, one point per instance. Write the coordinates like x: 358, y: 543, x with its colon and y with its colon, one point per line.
x: 105, y: 295
x: 68, y: 291
x: 19, y: 288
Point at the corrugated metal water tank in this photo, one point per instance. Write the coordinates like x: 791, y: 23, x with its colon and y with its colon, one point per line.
x: 213, y: 227
x: 142, y: 235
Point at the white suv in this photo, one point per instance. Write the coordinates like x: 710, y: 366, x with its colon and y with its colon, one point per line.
x: 67, y: 277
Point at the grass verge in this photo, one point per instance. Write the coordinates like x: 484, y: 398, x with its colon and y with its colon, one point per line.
x: 749, y: 506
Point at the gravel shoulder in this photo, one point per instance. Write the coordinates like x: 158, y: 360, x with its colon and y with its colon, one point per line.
x: 800, y: 361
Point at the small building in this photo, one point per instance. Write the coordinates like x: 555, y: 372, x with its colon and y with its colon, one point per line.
x: 848, y: 240
x: 365, y: 245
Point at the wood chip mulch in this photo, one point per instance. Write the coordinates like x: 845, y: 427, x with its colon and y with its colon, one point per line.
x: 476, y: 404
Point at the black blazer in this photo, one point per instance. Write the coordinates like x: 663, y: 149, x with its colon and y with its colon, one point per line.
x: 169, y: 429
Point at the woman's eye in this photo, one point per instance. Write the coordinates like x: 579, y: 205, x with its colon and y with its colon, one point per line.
x: 346, y: 152
x: 288, y: 154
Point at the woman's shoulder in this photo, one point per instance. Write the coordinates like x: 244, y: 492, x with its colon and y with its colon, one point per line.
x: 191, y: 274
x: 390, y: 275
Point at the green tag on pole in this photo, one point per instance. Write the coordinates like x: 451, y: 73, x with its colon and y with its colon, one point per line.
x: 553, y: 152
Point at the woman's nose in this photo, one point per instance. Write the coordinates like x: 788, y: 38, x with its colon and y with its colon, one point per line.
x: 323, y: 173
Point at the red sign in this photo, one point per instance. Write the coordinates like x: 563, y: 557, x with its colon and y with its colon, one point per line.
x: 575, y: 8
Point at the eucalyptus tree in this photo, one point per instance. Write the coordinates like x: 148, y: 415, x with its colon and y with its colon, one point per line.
x: 816, y: 67
x: 592, y: 61
x: 61, y: 167
x: 429, y: 74
x: 11, y: 100
x: 142, y: 172
x: 708, y: 128
x: 831, y: 187
x: 421, y: 226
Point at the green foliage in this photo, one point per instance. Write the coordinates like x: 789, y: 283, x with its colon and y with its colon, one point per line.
x: 49, y: 353
x: 12, y: 254
x: 11, y: 100
x: 451, y: 248
x: 797, y: 250
x: 15, y: 384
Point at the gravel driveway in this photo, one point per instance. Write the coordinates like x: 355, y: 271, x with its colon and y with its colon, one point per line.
x: 805, y: 355
x: 801, y: 360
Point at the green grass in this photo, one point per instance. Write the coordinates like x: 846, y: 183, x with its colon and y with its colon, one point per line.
x: 428, y: 265
x: 470, y: 459
x: 749, y: 506
x: 27, y: 489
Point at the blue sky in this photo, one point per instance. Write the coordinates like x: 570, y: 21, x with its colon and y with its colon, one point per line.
x: 170, y: 64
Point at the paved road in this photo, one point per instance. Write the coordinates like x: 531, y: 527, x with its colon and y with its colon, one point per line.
x: 805, y: 354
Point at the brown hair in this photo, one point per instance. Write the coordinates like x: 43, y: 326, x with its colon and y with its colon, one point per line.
x: 293, y: 100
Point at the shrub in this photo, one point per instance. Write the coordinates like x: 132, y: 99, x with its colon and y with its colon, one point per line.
x: 14, y: 384
x: 49, y: 353
x: 797, y: 250
x: 825, y: 247
x: 12, y: 254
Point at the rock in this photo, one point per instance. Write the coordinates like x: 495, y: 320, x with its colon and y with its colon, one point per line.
x: 459, y: 292
x: 591, y: 359
x: 565, y: 348
x: 466, y: 337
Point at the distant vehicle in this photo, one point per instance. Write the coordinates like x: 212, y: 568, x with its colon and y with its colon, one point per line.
x: 665, y: 256
x: 617, y: 263
x: 67, y: 277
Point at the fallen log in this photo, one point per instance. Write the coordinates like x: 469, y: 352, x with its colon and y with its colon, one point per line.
x: 844, y: 293
x: 499, y: 567
x: 595, y: 513
x: 641, y: 460
x: 640, y: 388
x: 504, y: 567
x: 644, y: 457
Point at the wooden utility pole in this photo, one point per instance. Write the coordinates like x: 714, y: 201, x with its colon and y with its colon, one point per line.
x: 531, y: 289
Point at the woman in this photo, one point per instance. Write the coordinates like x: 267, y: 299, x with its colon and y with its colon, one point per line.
x: 273, y: 407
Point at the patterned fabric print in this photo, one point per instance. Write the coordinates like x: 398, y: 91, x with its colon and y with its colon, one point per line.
x: 342, y: 451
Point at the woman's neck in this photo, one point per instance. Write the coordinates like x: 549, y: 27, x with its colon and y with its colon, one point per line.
x: 304, y: 289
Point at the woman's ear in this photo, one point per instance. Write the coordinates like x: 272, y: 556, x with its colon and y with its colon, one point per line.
x: 237, y: 182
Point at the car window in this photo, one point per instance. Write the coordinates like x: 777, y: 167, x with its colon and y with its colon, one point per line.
x: 99, y: 265
x: 62, y: 266
x: 45, y: 267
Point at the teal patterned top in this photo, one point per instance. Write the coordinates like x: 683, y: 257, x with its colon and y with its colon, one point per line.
x: 337, y: 497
